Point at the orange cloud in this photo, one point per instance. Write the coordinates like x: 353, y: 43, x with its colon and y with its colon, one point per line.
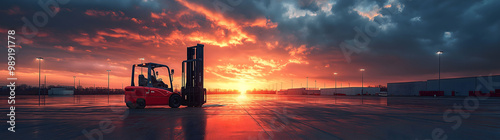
x: 14, y: 10
x: 114, y: 15
x: 371, y: 13
x: 69, y: 48
x: 103, y: 13
x: 136, y: 20
x: 237, y: 37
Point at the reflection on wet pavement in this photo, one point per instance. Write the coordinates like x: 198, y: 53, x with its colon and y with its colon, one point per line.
x: 251, y: 117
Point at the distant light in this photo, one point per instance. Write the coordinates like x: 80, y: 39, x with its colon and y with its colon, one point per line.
x: 39, y: 58
x: 439, y: 52
x: 335, y: 73
x: 141, y: 58
x: 361, y: 69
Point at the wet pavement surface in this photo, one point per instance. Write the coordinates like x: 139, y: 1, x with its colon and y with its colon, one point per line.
x: 257, y: 117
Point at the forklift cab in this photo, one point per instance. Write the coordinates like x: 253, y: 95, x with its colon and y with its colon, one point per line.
x: 153, y: 89
x: 153, y: 77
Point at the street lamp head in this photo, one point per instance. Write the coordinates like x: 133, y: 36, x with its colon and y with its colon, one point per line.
x: 335, y: 73
x: 361, y: 69
x: 108, y: 70
x: 39, y: 58
x: 141, y: 58
x: 439, y: 52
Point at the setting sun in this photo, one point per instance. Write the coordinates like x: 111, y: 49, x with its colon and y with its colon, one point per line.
x: 242, y: 87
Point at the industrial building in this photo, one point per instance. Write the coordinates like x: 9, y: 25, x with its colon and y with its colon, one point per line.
x: 350, y: 91
x: 330, y: 91
x: 450, y: 87
x: 299, y: 91
x: 61, y: 91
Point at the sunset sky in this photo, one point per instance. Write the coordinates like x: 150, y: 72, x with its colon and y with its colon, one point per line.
x: 255, y: 44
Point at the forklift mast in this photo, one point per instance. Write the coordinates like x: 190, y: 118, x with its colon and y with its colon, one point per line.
x: 193, y: 91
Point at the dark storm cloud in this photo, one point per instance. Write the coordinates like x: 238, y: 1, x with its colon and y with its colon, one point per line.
x: 467, y: 31
x: 443, y: 25
x: 410, y: 32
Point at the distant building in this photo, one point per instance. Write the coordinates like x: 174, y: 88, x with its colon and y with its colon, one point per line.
x: 299, y: 91
x: 350, y: 91
x: 406, y: 88
x: 61, y: 91
x: 450, y: 86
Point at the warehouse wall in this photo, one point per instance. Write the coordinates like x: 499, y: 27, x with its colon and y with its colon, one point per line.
x: 60, y: 91
x: 312, y: 92
x: 282, y: 92
x: 296, y: 91
x: 406, y: 88
x: 349, y: 91
x: 482, y: 80
x: 461, y: 86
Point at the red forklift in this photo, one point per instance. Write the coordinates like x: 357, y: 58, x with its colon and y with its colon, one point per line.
x: 152, y: 90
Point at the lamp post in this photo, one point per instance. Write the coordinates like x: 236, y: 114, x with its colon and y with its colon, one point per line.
x: 335, y: 92
x: 292, y: 83
x: 74, y: 84
x: 44, y: 88
x: 142, y: 59
x: 335, y: 78
x: 439, y: 69
x: 362, y: 74
x: 307, y: 83
x: 108, y: 84
x: 39, y: 70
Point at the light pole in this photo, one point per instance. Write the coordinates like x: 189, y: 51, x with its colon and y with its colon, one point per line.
x: 44, y: 88
x: 142, y: 59
x: 39, y: 70
x: 335, y: 78
x: 108, y: 84
x: 335, y: 91
x: 362, y: 73
x: 307, y: 83
x: 74, y: 84
x: 292, y: 83
x: 439, y: 69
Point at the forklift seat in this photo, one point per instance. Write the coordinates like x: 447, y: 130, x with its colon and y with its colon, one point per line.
x: 143, y: 81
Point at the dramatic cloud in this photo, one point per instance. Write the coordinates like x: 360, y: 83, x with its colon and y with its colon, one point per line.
x: 259, y: 43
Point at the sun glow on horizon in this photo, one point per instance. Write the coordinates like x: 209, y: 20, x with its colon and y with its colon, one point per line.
x: 243, y: 87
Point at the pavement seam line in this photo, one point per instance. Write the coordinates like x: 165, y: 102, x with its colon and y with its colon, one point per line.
x: 255, y: 120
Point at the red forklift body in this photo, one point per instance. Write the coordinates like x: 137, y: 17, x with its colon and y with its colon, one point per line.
x: 151, y: 90
x: 153, y: 96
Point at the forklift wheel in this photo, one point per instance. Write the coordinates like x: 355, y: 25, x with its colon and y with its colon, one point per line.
x: 174, y: 101
x: 131, y: 105
x: 141, y: 103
